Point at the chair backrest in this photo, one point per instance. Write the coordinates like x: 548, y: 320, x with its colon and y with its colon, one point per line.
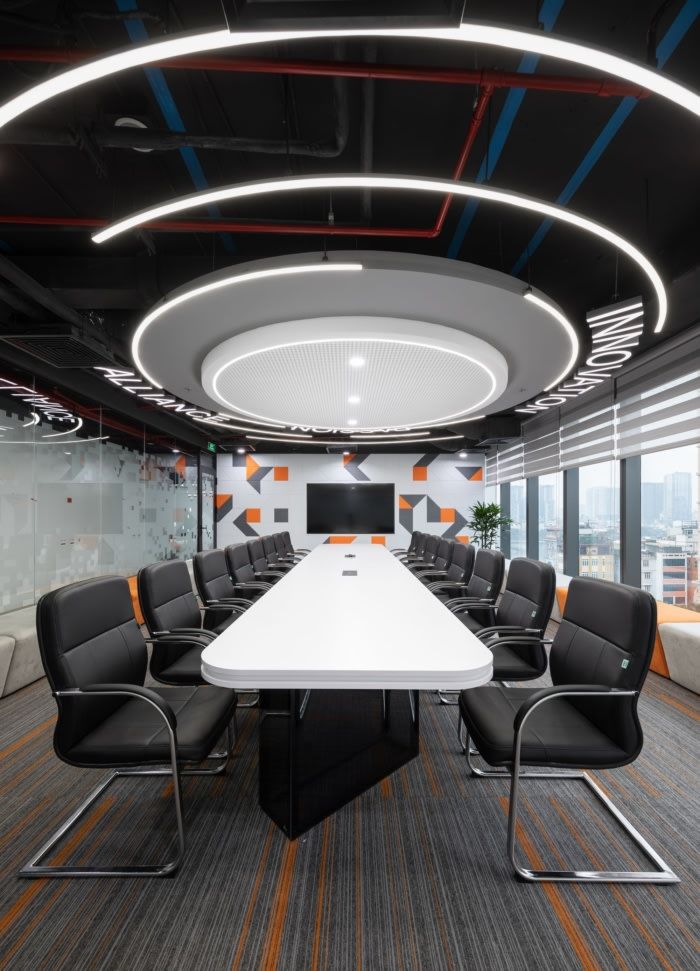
x: 287, y: 540
x: 270, y: 549
x: 444, y: 554
x: 606, y: 637
x: 415, y: 535
x: 528, y: 598
x: 430, y: 549
x: 166, y: 596
x: 420, y: 544
x: 88, y: 635
x: 256, y: 551
x: 212, y: 576
x: 280, y: 544
x: 462, y: 563
x: 487, y: 576
x: 239, y: 565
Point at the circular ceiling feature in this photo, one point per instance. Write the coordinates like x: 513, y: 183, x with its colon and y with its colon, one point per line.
x: 413, y: 373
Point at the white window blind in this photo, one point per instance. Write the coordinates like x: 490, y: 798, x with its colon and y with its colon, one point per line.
x: 491, y: 468
x: 659, y: 403
x: 510, y: 463
x: 541, y: 445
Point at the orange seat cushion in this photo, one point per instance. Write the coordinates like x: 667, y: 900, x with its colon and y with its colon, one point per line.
x: 133, y: 590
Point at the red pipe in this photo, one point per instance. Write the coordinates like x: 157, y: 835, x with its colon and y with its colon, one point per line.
x: 600, y: 87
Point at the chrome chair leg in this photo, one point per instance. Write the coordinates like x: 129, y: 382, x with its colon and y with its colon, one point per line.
x: 255, y: 700
x: 444, y: 700
x: 34, y: 869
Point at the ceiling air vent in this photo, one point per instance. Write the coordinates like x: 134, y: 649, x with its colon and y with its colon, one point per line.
x: 61, y: 347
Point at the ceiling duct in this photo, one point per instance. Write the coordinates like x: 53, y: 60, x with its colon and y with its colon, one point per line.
x: 61, y: 346
x: 292, y: 14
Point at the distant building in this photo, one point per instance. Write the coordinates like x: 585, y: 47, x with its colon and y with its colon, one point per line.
x: 652, y: 502
x: 678, y: 497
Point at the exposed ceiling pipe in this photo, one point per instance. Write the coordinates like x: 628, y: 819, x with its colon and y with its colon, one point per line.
x: 600, y: 87
x: 298, y: 229
x: 367, y: 136
x: 38, y: 293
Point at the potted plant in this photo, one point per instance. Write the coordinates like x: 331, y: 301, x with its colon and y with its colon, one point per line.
x: 486, y: 520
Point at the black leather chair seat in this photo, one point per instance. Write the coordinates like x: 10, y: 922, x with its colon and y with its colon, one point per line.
x: 475, y: 620
x: 212, y: 616
x: 187, y: 669
x: 202, y: 714
x: 509, y: 665
x: 556, y: 734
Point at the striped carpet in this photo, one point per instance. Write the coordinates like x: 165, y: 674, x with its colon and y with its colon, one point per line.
x: 412, y: 875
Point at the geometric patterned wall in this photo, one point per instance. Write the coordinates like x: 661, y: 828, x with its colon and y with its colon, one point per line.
x: 266, y: 493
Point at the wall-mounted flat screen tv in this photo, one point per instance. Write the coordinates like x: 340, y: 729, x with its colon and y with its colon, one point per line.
x: 365, y: 507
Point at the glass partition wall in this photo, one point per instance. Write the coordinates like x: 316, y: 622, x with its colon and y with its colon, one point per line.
x: 84, y: 495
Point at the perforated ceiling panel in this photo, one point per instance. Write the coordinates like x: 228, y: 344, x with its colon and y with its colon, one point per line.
x: 358, y: 382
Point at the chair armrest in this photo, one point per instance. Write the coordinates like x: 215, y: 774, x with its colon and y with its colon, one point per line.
x: 301, y: 549
x: 227, y: 604
x: 563, y: 691
x: 464, y: 603
x: 507, y: 629
x: 254, y: 585
x: 398, y: 549
x: 431, y: 573
x: 132, y: 690
x: 190, y: 631
x: 269, y: 573
x: 226, y: 601
x: 446, y: 585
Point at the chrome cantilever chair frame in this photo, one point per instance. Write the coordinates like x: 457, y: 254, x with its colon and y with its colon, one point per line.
x: 34, y: 869
x: 663, y: 873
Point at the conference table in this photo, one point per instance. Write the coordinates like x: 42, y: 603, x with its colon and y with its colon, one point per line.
x: 339, y: 649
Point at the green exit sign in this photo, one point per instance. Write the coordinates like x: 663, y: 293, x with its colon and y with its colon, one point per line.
x: 211, y: 446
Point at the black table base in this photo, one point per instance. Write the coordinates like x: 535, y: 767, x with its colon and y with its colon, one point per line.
x: 321, y: 749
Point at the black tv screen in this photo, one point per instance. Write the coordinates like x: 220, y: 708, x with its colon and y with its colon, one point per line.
x: 360, y: 508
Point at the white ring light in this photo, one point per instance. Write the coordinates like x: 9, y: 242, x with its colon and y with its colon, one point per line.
x: 340, y: 441
x: 77, y: 441
x: 69, y: 432
x: 444, y: 187
x: 228, y: 281
x: 467, y: 33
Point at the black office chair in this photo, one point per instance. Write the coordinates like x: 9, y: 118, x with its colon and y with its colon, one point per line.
x: 418, y: 550
x: 398, y: 550
x: 272, y: 556
x: 517, y: 636
x: 458, y: 573
x: 427, y: 557
x: 284, y: 555
x: 586, y: 720
x: 293, y: 551
x: 215, y: 586
x: 174, y: 622
x: 95, y: 658
x: 243, y: 573
x: 258, y: 560
x: 443, y: 558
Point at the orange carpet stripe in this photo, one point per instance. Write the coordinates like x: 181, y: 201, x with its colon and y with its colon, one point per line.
x: 326, y: 939
x: 23, y: 822
x: 392, y: 889
x: 564, y: 916
x: 273, y: 943
x: 255, y: 893
x: 12, y: 915
x: 385, y: 788
x: 358, y: 886
x: 320, y: 898
x: 429, y: 869
x: 617, y: 893
x: 25, y: 739
x: 641, y: 781
x: 27, y: 770
x: 686, y: 709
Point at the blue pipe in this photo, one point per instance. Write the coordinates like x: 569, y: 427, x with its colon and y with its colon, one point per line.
x: 685, y: 19
x: 549, y: 12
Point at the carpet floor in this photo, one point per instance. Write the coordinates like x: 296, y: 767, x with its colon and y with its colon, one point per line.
x: 411, y: 875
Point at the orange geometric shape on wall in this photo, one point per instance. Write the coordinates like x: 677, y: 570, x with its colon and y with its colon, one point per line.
x: 379, y: 540
x: 447, y: 515
x: 342, y: 539
x: 252, y: 515
x: 420, y: 473
x: 181, y: 465
x: 222, y: 498
x: 251, y: 466
x: 477, y: 476
x: 281, y: 473
x: 462, y: 539
x: 403, y: 504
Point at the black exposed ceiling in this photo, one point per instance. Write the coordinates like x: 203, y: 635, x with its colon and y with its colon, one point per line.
x: 66, y: 161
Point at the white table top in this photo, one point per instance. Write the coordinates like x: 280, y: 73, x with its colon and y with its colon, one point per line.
x: 319, y: 629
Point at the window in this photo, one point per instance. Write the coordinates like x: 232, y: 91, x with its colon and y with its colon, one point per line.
x: 518, y: 513
x: 670, y: 531
x: 599, y: 521
x: 551, y: 524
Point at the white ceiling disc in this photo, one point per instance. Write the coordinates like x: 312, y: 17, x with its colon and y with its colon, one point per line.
x: 452, y: 308
x: 355, y: 372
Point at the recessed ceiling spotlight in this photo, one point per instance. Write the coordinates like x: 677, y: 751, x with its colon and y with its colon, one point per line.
x: 352, y: 421
x: 353, y: 400
x: 346, y: 453
x: 356, y: 362
x: 543, y: 44
x: 462, y: 455
x: 443, y: 187
x: 176, y: 451
x: 241, y: 451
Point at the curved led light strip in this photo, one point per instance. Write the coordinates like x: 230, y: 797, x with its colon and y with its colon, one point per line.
x: 35, y: 419
x: 543, y: 44
x: 77, y: 441
x: 566, y: 324
x: 228, y: 281
x: 441, y: 186
x: 340, y: 442
x: 69, y: 432
x: 369, y: 340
